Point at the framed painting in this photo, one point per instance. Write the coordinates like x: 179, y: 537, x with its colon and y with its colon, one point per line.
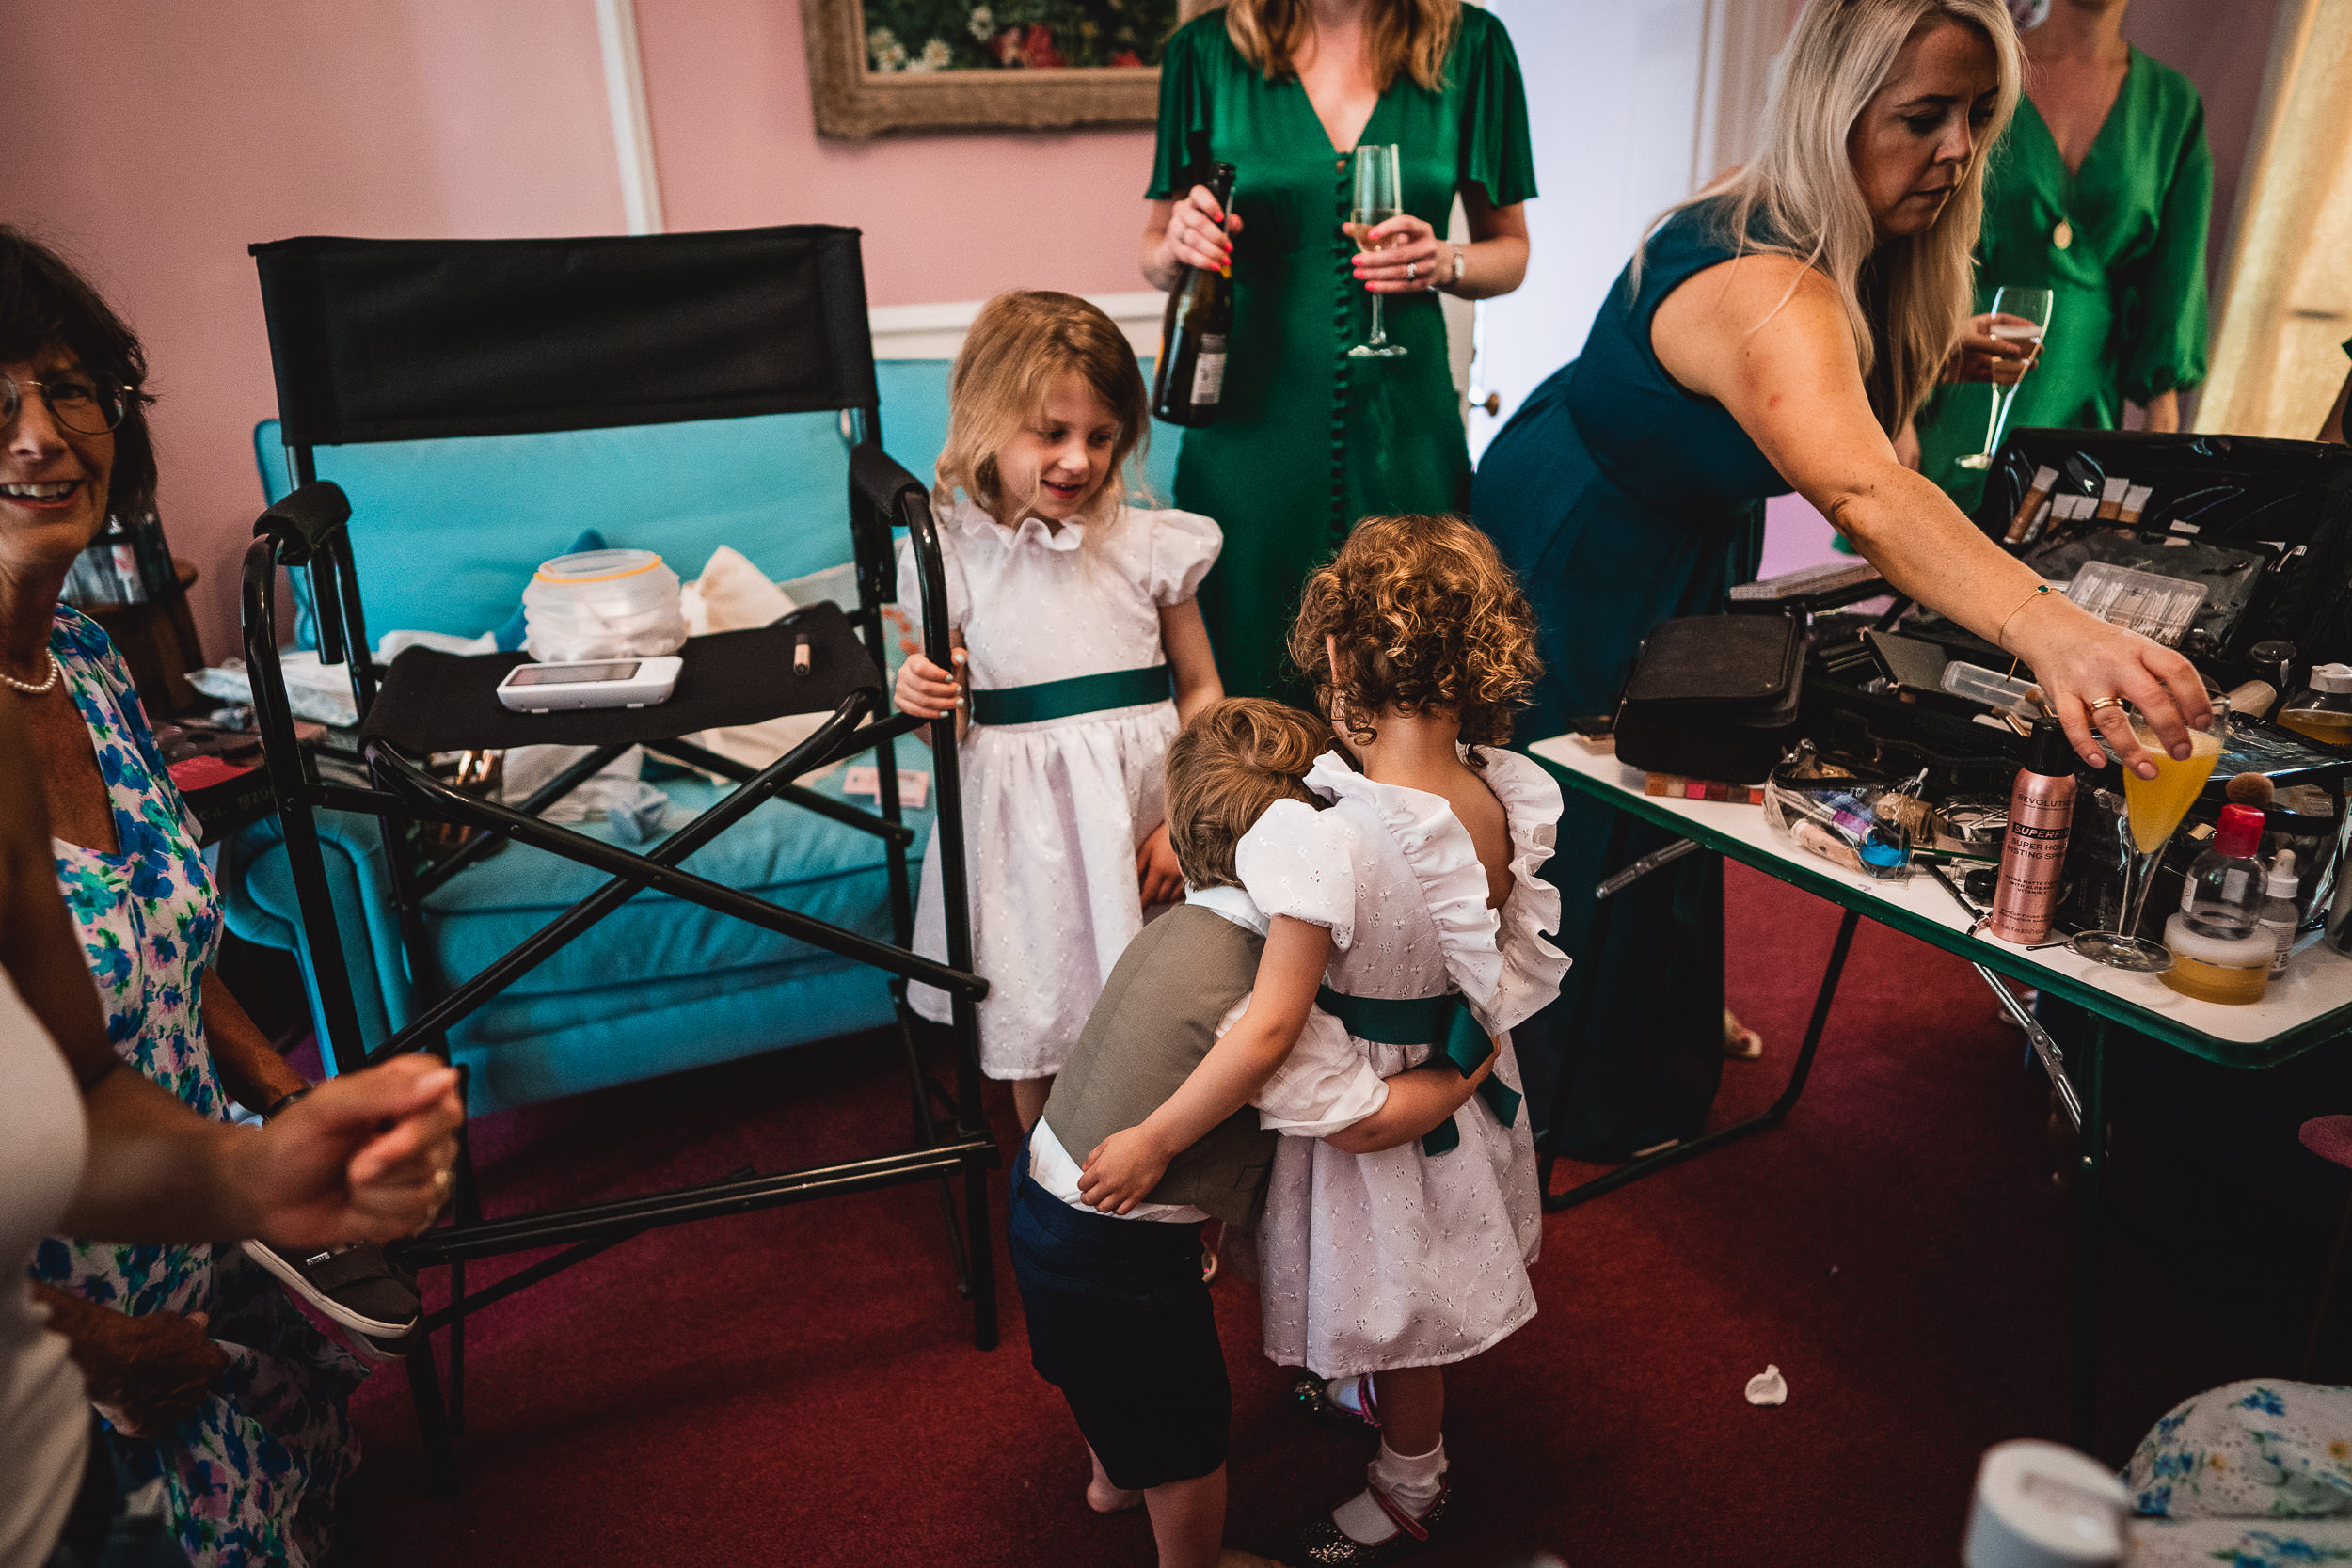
x: 878, y: 66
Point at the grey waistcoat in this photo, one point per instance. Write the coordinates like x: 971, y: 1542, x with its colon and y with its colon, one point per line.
x: 1157, y: 1017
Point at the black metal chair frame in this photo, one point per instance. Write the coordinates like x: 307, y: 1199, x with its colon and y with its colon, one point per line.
x: 305, y: 531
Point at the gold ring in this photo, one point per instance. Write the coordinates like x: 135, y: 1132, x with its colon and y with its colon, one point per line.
x: 2104, y: 702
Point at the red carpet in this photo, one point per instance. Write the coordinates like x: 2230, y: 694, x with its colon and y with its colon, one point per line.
x: 799, y: 1388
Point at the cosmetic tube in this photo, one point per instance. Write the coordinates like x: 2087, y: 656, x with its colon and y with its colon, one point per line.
x: 2135, y: 502
x: 2110, y: 500
x: 2033, y: 850
x: 2036, y: 493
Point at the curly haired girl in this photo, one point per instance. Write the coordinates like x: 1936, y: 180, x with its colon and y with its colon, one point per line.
x: 1379, y: 1267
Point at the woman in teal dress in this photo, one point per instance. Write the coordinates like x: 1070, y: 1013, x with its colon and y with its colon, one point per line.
x: 1307, y: 439
x: 2112, y: 223
x: 1772, y: 336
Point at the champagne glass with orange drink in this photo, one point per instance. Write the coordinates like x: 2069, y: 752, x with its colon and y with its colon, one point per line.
x: 2153, y: 808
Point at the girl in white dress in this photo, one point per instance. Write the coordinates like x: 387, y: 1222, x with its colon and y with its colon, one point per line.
x: 1379, y: 1269
x: 1073, y: 618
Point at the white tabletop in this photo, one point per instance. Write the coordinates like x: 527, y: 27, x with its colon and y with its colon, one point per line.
x: 2318, y: 981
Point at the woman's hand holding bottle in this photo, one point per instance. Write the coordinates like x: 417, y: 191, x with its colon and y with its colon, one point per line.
x: 1199, y: 235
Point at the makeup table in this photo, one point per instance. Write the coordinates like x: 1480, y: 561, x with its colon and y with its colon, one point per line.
x: 2311, y: 1005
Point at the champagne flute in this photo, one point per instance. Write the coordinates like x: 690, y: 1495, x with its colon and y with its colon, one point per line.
x: 1379, y: 197
x: 2153, y: 808
x: 2033, y: 305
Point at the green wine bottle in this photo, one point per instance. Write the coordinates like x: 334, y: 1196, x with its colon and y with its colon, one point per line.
x: 1189, y: 382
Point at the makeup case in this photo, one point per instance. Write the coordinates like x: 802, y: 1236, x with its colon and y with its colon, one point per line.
x: 1713, y: 697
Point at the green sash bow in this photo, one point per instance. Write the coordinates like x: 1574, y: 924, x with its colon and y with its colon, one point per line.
x: 1444, y: 1023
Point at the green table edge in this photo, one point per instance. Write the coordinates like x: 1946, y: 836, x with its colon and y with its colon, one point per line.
x: 2278, y: 1048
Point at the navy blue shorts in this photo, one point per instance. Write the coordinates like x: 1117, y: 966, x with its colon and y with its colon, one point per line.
x: 1120, y: 1321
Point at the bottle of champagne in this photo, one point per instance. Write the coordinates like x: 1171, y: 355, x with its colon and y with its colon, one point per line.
x: 1190, y: 380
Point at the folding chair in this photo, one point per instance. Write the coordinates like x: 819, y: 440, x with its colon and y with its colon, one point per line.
x: 404, y: 341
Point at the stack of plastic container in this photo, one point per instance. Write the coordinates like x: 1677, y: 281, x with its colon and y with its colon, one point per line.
x: 602, y: 604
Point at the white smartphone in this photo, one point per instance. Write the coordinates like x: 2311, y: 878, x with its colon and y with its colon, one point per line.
x: 598, y: 683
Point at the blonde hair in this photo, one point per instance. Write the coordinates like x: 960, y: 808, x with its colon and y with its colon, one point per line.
x: 1019, y: 345
x: 1423, y: 614
x: 1238, y: 756
x: 1408, y: 36
x: 1905, y: 299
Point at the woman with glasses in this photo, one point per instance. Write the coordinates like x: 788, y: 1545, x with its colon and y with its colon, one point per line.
x: 217, y: 1384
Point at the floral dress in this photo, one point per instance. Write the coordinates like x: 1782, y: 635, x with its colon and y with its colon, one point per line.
x: 2248, y: 1475
x: 252, y: 1471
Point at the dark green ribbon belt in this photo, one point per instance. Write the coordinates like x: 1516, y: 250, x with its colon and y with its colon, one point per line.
x: 1067, y: 698
x: 1443, y: 1022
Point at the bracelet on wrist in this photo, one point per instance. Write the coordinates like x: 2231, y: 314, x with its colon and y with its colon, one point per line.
x: 283, y: 1101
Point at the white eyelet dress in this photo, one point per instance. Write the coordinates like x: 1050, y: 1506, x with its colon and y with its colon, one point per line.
x: 1053, y: 810
x: 1404, y: 1258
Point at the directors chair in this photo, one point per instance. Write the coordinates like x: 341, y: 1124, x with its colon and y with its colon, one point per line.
x: 383, y: 341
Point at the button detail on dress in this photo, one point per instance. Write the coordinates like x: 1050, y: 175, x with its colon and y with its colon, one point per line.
x: 2063, y: 235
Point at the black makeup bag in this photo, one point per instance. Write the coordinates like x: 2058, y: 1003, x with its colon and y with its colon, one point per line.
x: 1713, y: 697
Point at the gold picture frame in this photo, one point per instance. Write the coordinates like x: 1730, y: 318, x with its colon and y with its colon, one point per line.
x: 854, y: 101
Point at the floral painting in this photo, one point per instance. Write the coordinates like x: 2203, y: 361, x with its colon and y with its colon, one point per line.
x: 1015, y: 35
x: 880, y: 67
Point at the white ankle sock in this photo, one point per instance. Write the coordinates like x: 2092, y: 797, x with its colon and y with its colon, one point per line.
x: 1349, y: 1393
x: 1412, y: 1483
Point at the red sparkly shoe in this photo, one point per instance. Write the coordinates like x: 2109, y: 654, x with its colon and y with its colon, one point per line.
x: 1321, y: 1542
x: 1313, y: 1395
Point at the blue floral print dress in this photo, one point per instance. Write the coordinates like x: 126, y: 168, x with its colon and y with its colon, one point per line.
x: 252, y: 1471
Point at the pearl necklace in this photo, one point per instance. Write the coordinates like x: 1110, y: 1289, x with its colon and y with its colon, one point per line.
x: 43, y: 688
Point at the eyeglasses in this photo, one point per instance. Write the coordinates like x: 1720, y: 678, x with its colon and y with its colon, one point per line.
x: 84, y: 407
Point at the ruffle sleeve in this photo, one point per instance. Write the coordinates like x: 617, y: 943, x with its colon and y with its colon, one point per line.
x: 1444, y: 863
x: 1181, y: 145
x: 1532, y: 966
x: 1325, y: 1085
x: 1498, y: 151
x: 911, y: 587
x: 1298, y: 862
x: 1185, y: 545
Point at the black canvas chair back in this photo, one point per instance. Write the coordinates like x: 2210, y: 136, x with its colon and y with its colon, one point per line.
x: 386, y: 341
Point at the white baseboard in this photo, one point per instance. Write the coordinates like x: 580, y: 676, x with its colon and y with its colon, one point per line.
x: 936, y: 331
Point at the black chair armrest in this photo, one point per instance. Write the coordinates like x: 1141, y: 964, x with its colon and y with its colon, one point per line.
x: 883, y: 495
x: 305, y: 519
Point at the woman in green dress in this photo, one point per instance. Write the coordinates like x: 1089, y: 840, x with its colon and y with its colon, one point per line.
x: 2100, y: 193
x: 1309, y: 440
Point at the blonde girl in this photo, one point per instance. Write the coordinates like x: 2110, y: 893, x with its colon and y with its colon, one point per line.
x: 1078, y: 653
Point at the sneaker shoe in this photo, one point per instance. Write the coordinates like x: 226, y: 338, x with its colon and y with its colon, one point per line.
x: 356, y: 1287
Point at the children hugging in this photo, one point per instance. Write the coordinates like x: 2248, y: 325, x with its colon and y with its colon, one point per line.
x: 1312, y: 1045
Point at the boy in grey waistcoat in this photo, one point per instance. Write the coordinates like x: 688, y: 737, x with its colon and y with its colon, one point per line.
x: 1119, y: 1312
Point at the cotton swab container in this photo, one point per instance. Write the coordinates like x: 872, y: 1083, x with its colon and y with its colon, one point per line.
x: 602, y: 604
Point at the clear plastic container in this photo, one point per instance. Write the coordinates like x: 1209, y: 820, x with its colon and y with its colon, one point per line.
x: 2222, y: 896
x: 2322, y: 711
x: 2158, y: 608
x: 602, y: 604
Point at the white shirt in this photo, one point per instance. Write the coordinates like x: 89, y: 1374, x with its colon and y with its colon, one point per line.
x: 1323, y: 1084
x: 44, y: 1418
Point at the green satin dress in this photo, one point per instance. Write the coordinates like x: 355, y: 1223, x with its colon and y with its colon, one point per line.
x: 1308, y: 440
x: 2120, y: 246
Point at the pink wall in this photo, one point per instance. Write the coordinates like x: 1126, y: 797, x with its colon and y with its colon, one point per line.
x: 153, y: 143
x: 945, y: 216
